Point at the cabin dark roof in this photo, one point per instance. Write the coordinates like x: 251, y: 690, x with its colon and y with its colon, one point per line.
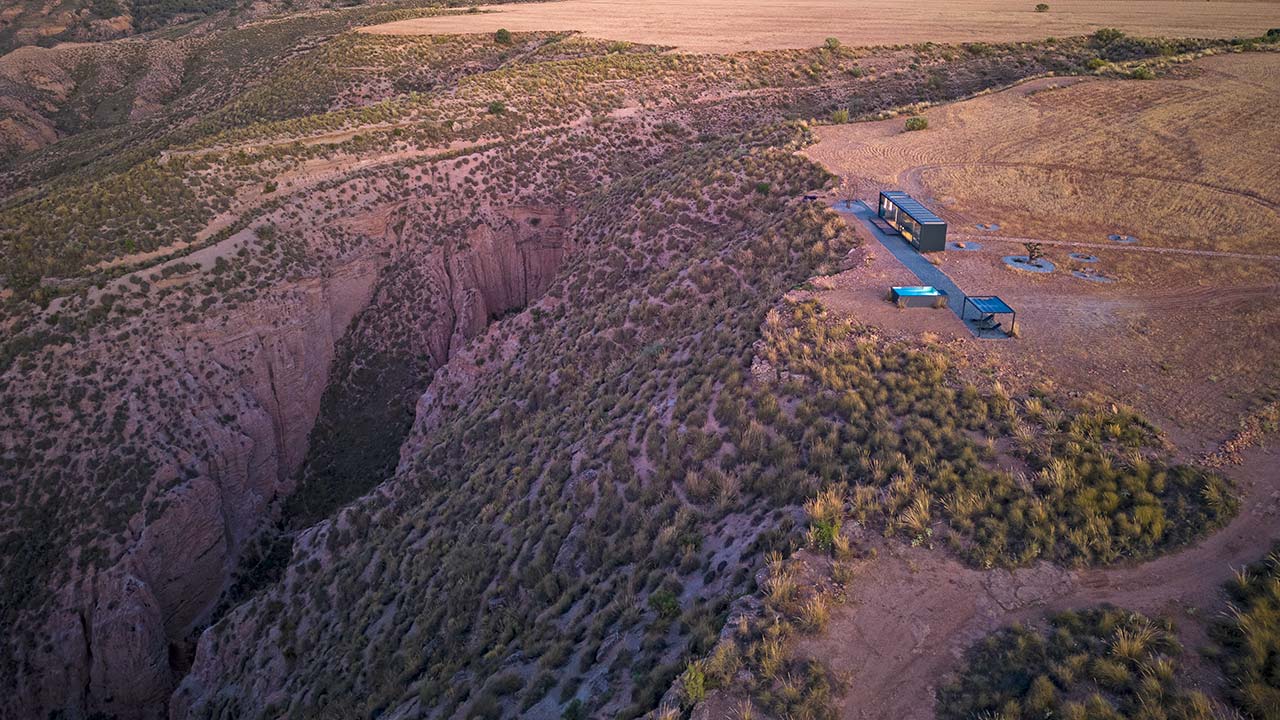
x: 990, y: 304
x: 912, y: 207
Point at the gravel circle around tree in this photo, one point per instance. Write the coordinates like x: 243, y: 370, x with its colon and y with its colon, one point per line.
x: 1026, y: 264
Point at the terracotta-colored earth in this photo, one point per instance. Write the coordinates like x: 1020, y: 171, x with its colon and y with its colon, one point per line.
x: 1183, y: 337
x: 1185, y: 331
x: 732, y: 25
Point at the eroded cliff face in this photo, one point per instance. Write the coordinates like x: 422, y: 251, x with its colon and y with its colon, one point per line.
x: 228, y: 427
x: 447, y: 285
x: 231, y: 414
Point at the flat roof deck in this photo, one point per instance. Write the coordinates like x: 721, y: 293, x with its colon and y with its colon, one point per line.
x: 990, y: 304
x: 912, y: 207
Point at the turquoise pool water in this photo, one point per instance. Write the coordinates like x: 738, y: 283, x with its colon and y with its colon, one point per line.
x: 916, y: 290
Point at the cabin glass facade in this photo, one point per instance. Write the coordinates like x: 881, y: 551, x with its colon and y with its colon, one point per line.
x: 917, y: 224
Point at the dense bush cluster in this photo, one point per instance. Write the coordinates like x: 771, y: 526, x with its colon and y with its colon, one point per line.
x: 1249, y: 639
x: 920, y: 446
x: 1101, y: 664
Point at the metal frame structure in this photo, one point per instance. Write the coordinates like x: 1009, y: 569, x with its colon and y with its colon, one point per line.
x: 989, y: 306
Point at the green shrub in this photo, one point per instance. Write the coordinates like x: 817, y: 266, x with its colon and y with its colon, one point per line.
x: 917, y: 123
x: 1106, y: 36
x: 694, y: 683
x: 502, y: 37
x: 1249, y: 638
x: 1142, y: 72
x: 840, y: 116
x: 1099, y: 663
x: 1042, y: 7
x: 1096, y: 63
x: 497, y: 107
x: 665, y: 603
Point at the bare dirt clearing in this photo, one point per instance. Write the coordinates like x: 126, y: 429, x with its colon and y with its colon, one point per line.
x: 1189, y: 339
x: 1081, y: 162
x: 730, y: 25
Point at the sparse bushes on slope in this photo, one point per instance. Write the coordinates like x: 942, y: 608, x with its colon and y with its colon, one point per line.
x: 916, y: 447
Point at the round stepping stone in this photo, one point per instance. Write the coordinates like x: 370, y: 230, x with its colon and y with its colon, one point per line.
x: 1020, y: 262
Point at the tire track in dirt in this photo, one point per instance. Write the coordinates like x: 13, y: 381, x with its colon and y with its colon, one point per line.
x: 914, y: 174
x: 1118, y: 246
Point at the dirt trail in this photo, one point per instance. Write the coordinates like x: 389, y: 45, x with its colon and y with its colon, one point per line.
x: 912, y: 613
x: 987, y: 237
x: 913, y: 176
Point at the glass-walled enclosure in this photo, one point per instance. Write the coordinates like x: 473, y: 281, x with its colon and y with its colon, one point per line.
x: 917, y: 224
x: 900, y: 221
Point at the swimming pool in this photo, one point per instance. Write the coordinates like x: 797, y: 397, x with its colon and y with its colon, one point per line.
x: 917, y: 296
x: 917, y: 290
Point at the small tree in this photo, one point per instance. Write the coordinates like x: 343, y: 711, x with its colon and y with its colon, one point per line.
x: 1034, y: 251
x: 503, y: 36
x: 1042, y: 7
x: 917, y: 123
x: 848, y: 192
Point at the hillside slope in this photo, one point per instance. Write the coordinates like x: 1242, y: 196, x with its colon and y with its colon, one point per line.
x: 430, y: 360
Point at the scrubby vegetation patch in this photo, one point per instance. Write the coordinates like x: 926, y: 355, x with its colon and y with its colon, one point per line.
x: 1099, y: 664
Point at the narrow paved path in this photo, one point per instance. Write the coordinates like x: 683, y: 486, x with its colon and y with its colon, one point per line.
x: 898, y: 246
x: 918, y: 264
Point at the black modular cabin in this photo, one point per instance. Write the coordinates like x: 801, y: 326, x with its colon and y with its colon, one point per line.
x: 926, y: 231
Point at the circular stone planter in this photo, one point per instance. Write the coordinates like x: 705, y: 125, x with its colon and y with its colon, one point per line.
x: 966, y: 245
x: 1127, y: 239
x: 1083, y: 257
x: 1020, y: 262
x: 1092, y: 276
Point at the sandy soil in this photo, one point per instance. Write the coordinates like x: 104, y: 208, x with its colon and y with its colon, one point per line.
x: 1061, y: 159
x: 1188, y: 338
x: 731, y: 25
x: 1186, y: 332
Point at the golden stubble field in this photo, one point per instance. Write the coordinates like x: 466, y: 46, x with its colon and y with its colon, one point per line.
x: 1177, y: 162
x: 732, y: 25
x: 1187, y: 329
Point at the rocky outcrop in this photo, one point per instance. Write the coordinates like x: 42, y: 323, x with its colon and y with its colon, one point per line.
x: 445, y: 288
x: 120, y: 638
x: 503, y: 263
